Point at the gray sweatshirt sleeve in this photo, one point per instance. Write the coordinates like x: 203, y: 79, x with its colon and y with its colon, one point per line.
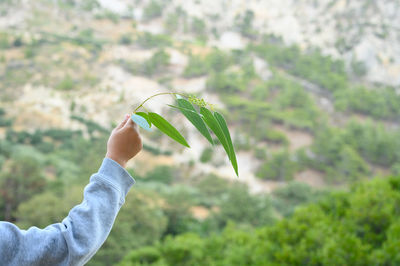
x: 77, y: 238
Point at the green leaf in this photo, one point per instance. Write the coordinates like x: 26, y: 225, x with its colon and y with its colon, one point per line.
x: 165, y: 127
x: 141, y: 121
x: 214, y: 125
x: 224, y: 127
x: 181, y: 108
x: 191, y: 114
x: 145, y: 116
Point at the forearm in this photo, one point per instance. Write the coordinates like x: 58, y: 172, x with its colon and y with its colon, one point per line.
x: 81, y: 233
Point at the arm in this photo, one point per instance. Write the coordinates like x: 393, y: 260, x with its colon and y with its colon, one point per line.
x: 77, y: 238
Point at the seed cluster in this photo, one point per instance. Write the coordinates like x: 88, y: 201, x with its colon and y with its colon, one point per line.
x: 199, y: 102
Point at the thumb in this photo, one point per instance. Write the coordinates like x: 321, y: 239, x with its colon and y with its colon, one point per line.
x: 122, y: 124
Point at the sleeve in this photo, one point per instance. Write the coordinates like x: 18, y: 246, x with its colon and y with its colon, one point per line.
x: 77, y: 238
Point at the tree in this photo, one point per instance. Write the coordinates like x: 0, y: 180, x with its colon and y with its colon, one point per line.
x: 239, y: 206
x: 177, y: 209
x: 279, y: 167
x: 198, y: 27
x: 286, y: 199
x: 244, y: 24
x: 153, y: 10
x: 139, y: 223
x: 21, y: 178
x: 357, y: 227
x: 53, y: 208
x: 196, y: 67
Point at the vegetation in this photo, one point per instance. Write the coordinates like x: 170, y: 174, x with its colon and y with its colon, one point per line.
x: 206, y: 155
x: 66, y: 84
x: 380, y: 103
x: 216, y: 61
x: 4, y: 121
x: 359, y: 227
x: 279, y: 167
x: 153, y: 10
x: 198, y: 28
x: 322, y: 70
x: 147, y: 40
x: 244, y: 24
x: 4, y: 40
x: 196, y: 67
x: 125, y: 39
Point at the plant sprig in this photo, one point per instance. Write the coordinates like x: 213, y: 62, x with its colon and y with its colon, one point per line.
x: 204, y: 121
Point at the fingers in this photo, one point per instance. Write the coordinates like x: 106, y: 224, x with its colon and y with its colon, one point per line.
x: 123, y: 123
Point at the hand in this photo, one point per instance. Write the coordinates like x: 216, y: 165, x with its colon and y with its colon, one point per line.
x: 124, y: 142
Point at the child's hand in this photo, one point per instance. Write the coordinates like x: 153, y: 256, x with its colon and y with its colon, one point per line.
x: 124, y: 142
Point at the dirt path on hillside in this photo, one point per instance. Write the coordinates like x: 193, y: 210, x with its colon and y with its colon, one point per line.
x: 297, y: 138
x: 311, y: 177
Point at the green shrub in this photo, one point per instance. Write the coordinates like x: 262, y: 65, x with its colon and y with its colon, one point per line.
x: 260, y: 153
x: 5, y: 122
x: 198, y: 27
x: 171, y: 23
x: 66, y: 84
x: 343, y: 152
x: 90, y: 5
x: 163, y: 174
x: 374, y: 142
x: 18, y: 42
x: 227, y: 83
x: 280, y: 167
x: 107, y: 14
x: 275, y: 136
x: 158, y: 62
x: 286, y: 199
x: 6, y: 147
x: 359, y: 68
x: 125, y: 39
x: 239, y: 206
x: 214, y: 63
x: 141, y: 256
x: 396, y: 169
x: 322, y: 70
x: 206, y: 155
x: 29, y: 52
x: 196, y: 67
x: 218, y: 60
x: 148, y: 40
x: 244, y: 24
x: 380, y: 103
x: 350, y: 166
x: 153, y: 10
x: 260, y: 92
x: 155, y: 150
x: 4, y: 41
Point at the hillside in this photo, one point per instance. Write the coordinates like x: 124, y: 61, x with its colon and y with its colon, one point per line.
x: 310, y: 89
x: 96, y: 60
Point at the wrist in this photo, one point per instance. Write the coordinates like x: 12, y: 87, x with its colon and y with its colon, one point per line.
x: 117, y: 160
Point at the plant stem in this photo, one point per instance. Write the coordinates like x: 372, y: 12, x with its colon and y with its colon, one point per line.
x: 158, y: 94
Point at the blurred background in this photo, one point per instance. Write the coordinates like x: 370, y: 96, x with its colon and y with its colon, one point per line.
x: 311, y: 92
